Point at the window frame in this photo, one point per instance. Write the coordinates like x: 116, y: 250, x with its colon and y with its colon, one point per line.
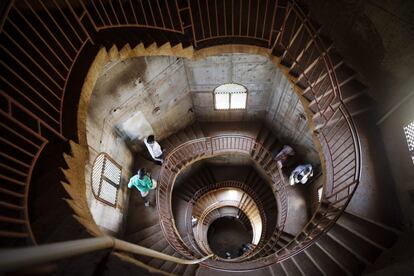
x: 97, y: 194
x: 229, y: 95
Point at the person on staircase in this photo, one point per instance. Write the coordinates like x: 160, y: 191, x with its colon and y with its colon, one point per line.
x: 143, y: 182
x: 154, y: 149
x: 301, y: 174
x: 283, y: 155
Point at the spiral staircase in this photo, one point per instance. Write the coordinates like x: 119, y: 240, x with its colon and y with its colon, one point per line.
x: 52, y: 54
x: 346, y: 248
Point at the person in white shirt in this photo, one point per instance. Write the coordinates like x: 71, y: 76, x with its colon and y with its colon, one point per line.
x: 301, y: 174
x: 154, y: 149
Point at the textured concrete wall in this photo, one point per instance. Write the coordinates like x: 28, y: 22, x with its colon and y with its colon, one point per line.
x: 153, y: 89
x: 270, y: 97
x: 131, y: 100
x: 255, y: 72
x: 287, y: 119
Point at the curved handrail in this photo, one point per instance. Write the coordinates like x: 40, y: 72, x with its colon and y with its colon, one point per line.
x: 206, y: 189
x: 16, y: 259
x: 253, y: 212
x: 194, y: 150
x: 228, y: 183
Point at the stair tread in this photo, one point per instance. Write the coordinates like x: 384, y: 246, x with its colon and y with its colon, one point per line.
x: 360, y: 247
x: 277, y: 269
x: 373, y: 232
x: 306, y: 265
x: 148, y: 241
x: 141, y: 234
x: 324, y: 262
x: 291, y: 268
x: 341, y: 255
x: 158, y: 262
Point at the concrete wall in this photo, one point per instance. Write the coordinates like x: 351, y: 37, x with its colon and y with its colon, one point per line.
x: 255, y: 72
x: 286, y: 118
x: 270, y: 97
x: 131, y: 100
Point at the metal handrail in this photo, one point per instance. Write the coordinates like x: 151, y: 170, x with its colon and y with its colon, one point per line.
x: 222, y: 184
x: 16, y: 259
x: 206, y: 210
x: 197, y: 149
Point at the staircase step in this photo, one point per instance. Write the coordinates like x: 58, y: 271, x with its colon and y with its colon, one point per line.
x: 157, y: 263
x: 144, y: 233
x: 373, y: 232
x: 291, y: 268
x: 277, y: 270
x: 149, y: 241
x: 360, y: 247
x: 324, y: 262
x: 182, y: 136
x: 157, y: 245
x: 169, y: 266
x: 178, y: 269
x: 341, y: 255
x: 190, y: 270
x: 197, y: 130
x: 306, y: 266
x: 190, y: 132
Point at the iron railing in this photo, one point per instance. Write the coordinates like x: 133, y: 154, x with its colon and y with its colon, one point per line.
x: 230, y: 183
x: 195, y: 150
x: 245, y: 206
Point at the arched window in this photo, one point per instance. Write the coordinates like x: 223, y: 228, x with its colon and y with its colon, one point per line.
x: 230, y: 96
x: 105, y: 179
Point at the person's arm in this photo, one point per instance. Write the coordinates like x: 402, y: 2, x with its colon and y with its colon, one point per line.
x: 131, y: 182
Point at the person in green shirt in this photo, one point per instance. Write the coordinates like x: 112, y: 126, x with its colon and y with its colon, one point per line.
x: 143, y: 183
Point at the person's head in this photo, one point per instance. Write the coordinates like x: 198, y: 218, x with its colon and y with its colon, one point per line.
x: 150, y: 139
x: 141, y: 173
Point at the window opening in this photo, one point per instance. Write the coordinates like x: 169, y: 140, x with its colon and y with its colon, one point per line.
x: 409, y: 135
x: 230, y: 96
x: 106, y: 178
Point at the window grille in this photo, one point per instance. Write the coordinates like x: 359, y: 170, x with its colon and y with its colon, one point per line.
x: 230, y: 96
x: 409, y: 134
x: 106, y: 178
